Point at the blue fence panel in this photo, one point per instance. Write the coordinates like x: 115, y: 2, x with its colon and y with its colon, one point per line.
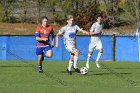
x: 21, y: 46
x: 82, y: 43
x: 107, y: 48
x: 127, y: 49
x: 3, y: 47
x: 15, y: 47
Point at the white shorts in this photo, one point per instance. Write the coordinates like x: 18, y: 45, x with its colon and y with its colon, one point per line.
x: 95, y: 45
x: 70, y: 48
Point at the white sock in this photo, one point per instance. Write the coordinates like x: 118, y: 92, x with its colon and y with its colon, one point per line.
x: 75, y: 61
x: 88, y: 58
x: 98, y: 57
x: 70, y: 65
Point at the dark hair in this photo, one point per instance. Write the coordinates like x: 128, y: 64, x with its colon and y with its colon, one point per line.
x: 44, y: 17
x: 98, y: 15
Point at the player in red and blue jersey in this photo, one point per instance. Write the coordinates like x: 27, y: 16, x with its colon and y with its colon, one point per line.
x: 44, y: 48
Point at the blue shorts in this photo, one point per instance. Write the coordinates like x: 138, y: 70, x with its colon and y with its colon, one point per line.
x: 43, y: 50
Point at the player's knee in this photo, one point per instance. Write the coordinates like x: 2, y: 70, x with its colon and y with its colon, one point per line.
x: 76, y: 52
x: 72, y: 60
x: 49, y: 55
x: 90, y: 53
x: 101, y: 50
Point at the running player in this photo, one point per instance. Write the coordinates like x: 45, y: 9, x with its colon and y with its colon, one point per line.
x: 69, y: 35
x: 95, y: 32
x: 44, y: 48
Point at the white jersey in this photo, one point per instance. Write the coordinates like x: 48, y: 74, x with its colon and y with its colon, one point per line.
x: 95, y: 40
x: 95, y: 28
x: 69, y: 33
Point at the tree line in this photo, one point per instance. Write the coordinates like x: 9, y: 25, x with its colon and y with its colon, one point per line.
x: 85, y: 11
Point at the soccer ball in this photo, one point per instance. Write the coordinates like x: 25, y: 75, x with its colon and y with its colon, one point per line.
x: 84, y: 70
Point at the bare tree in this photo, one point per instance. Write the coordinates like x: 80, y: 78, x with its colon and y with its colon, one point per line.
x: 136, y: 4
x: 6, y: 6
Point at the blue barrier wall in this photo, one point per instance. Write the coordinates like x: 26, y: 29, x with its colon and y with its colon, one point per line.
x: 23, y: 48
x: 127, y: 49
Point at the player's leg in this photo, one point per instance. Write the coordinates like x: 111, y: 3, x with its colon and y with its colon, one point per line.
x: 48, y: 51
x: 69, y: 70
x: 39, y: 52
x: 88, y: 59
x: 100, y: 49
x: 42, y: 59
x: 40, y: 63
x: 49, y: 54
x: 91, y: 48
x: 69, y: 48
x: 76, y: 54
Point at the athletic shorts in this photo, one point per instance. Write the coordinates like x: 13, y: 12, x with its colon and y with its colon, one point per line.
x: 43, y: 50
x: 95, y: 45
x: 70, y: 48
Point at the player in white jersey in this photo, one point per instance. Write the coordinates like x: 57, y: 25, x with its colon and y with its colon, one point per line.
x: 69, y: 35
x: 95, y: 43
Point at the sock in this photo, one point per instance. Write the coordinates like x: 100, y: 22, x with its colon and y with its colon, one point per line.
x: 42, y: 59
x: 98, y: 56
x: 88, y: 58
x: 70, y: 65
x: 40, y: 63
x: 75, y: 61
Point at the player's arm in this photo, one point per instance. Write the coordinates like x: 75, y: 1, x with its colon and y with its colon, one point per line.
x: 85, y: 32
x: 52, y: 39
x: 60, y: 32
x: 41, y: 39
x: 92, y: 31
x: 57, y: 39
x: 103, y: 31
x: 81, y: 30
x: 37, y: 35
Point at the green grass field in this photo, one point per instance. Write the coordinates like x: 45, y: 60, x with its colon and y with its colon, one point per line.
x: 112, y: 77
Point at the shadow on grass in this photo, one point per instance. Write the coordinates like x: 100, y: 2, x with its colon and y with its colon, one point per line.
x: 15, y: 66
x: 124, y: 73
x: 67, y: 72
x: 100, y: 74
x: 109, y: 73
x: 125, y: 68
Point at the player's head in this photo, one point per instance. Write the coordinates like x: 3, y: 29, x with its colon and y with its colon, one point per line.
x: 44, y: 21
x: 99, y: 18
x: 70, y: 19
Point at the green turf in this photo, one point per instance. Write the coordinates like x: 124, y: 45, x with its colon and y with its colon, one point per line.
x: 113, y: 77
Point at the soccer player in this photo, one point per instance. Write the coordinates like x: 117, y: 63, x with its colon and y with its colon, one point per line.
x: 95, y: 43
x: 44, y: 48
x: 69, y: 35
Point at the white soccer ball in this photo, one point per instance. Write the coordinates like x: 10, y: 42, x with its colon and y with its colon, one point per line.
x: 84, y: 70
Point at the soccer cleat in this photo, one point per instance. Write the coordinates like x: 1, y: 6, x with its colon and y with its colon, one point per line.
x: 69, y: 72
x: 87, y: 65
x: 97, y: 65
x: 40, y: 69
x: 77, y: 70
